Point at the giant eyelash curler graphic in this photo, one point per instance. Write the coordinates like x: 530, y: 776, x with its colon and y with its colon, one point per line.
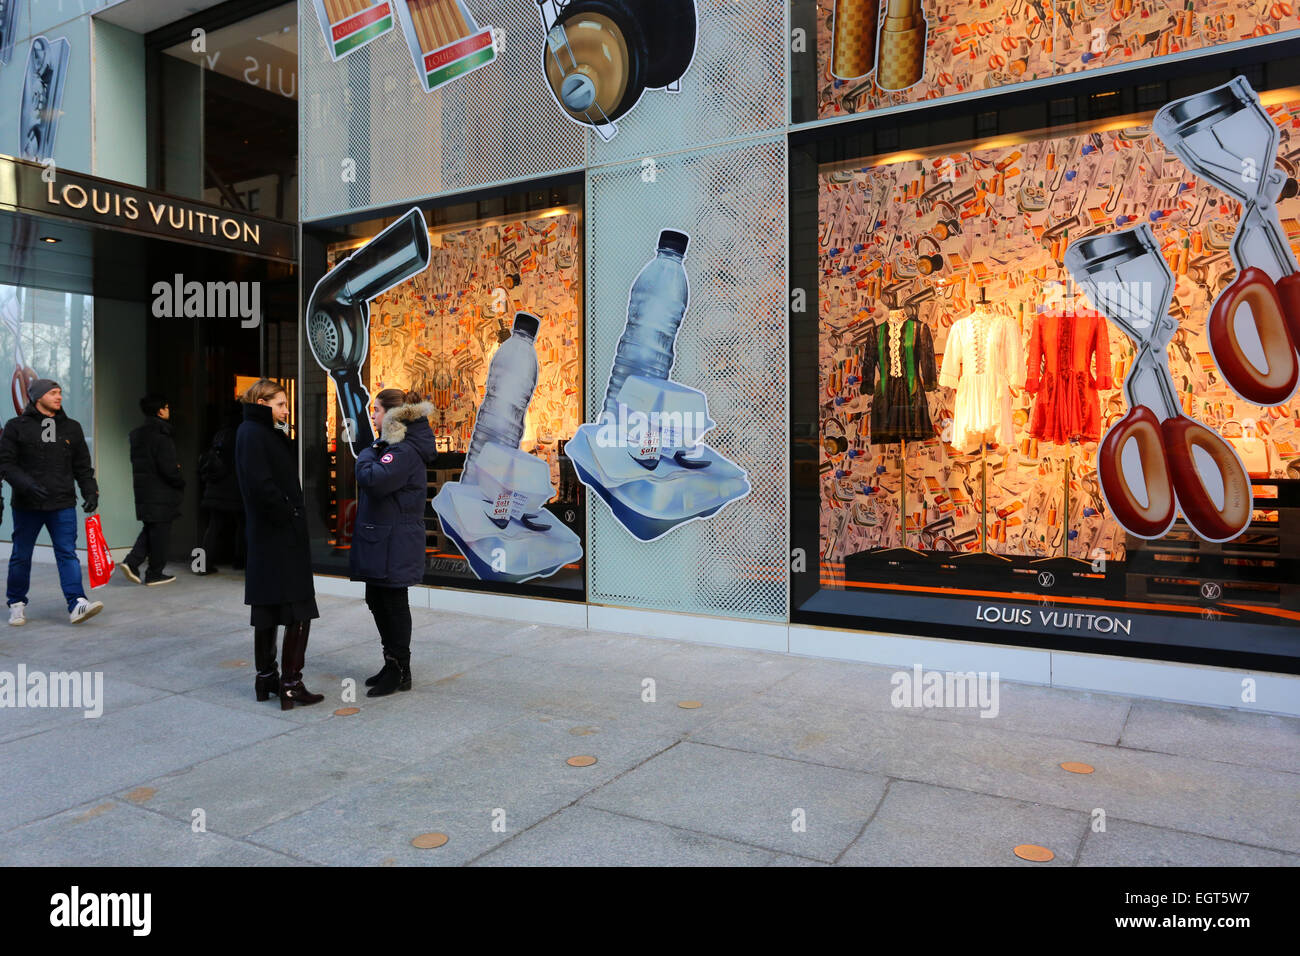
x: 599, y: 56
x: 1127, y: 278
x: 338, y: 314
x: 1225, y: 136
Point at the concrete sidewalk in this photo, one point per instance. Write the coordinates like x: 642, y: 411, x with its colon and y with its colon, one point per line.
x: 786, y: 760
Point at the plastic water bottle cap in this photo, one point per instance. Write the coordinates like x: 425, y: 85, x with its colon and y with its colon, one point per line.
x: 527, y: 323
x: 675, y: 241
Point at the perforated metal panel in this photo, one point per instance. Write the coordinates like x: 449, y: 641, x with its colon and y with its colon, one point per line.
x: 732, y: 345
x: 736, y: 86
x: 497, y: 124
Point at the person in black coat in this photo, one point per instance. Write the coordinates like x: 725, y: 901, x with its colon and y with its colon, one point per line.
x: 221, y: 498
x: 42, y: 452
x: 156, y: 475
x: 388, y: 538
x: 278, y: 581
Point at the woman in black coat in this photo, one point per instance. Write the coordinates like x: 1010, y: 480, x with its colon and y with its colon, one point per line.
x: 278, y: 581
x: 388, y: 538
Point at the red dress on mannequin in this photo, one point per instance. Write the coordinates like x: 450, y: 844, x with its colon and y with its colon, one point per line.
x: 1061, y: 351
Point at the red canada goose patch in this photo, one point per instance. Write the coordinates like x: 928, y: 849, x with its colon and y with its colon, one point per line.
x: 387, y: 458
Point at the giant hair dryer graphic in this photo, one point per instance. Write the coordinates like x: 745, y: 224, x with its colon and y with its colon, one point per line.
x: 599, y: 56
x: 338, y: 313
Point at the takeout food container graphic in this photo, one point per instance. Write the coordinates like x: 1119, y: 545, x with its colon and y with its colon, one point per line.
x: 445, y: 40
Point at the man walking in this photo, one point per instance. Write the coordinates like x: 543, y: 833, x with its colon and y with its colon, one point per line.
x: 158, y: 486
x: 42, y: 452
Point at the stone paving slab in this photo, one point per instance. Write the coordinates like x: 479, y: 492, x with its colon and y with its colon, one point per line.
x: 69, y: 764
x: 117, y: 695
x: 921, y: 825
x: 1257, y: 740
x: 115, y: 833
x: 518, y: 768
x: 1022, y: 707
x: 1160, y: 789
x: 1134, y: 844
x: 598, y: 838
x: 256, y: 786
x: 798, y: 808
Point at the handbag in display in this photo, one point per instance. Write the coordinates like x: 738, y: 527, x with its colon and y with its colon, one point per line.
x: 1256, y: 453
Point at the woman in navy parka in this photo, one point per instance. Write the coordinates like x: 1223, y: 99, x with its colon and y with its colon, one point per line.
x: 388, y: 539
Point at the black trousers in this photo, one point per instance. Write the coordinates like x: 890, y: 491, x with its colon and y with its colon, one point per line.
x: 222, y: 527
x: 152, y: 544
x: 391, y: 608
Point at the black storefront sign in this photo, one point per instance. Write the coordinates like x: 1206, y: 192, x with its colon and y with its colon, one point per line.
x: 47, y: 191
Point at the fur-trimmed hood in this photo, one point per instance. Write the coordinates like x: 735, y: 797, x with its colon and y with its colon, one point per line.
x: 410, y: 423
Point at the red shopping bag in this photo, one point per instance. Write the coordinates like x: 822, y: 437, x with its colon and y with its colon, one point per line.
x: 98, y: 556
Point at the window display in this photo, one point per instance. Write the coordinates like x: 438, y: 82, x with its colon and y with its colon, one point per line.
x: 1078, y: 291
x: 879, y: 53
x: 496, y: 292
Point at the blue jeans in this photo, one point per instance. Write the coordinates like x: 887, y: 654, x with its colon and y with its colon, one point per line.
x: 62, y: 525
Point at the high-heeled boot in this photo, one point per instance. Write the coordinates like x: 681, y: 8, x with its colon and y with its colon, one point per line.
x: 292, y: 689
x: 268, y: 678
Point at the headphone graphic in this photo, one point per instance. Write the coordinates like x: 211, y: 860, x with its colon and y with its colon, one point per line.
x: 950, y: 226
x: 834, y: 444
x: 928, y: 265
x: 599, y: 56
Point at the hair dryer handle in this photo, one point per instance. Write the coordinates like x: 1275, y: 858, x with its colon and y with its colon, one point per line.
x: 354, y: 403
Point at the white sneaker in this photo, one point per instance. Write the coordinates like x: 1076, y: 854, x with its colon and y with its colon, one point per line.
x: 84, y: 609
x: 16, y: 616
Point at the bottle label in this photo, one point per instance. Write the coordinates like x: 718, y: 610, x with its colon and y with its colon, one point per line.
x: 509, y: 504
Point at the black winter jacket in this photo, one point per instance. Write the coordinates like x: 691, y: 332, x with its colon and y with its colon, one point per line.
x: 42, y: 472
x: 279, y: 550
x: 388, y: 537
x: 220, y: 483
x: 155, y: 472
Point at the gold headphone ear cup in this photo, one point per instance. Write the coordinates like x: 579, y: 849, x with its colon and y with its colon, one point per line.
x: 941, y: 230
x: 599, y: 81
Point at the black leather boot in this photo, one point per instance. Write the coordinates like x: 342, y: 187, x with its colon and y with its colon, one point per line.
x: 292, y: 689
x: 374, y: 679
x: 395, y: 676
x: 267, y: 686
x: 268, y: 678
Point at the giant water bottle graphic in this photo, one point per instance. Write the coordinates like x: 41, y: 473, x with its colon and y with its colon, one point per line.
x: 512, y: 376
x: 655, y: 308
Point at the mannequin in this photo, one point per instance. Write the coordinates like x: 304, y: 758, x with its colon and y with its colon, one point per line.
x: 898, y: 368
x: 983, y: 361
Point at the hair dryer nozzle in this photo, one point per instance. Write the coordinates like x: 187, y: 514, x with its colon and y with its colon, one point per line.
x: 338, y: 310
